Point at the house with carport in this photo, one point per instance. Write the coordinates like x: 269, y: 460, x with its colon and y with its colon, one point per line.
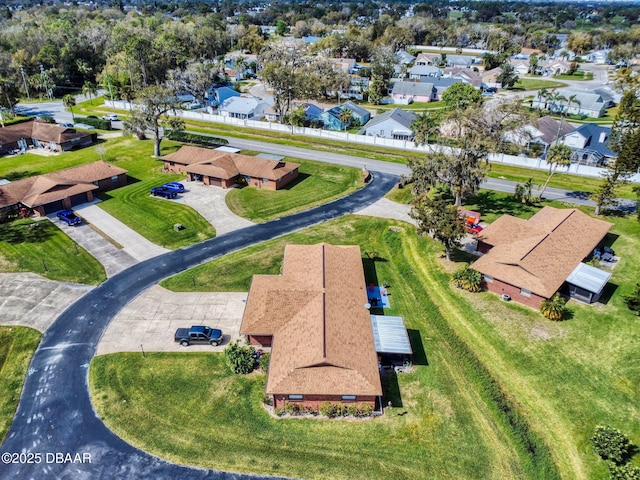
x: 314, y: 316
x: 21, y: 136
x: 530, y: 260
x: 224, y: 169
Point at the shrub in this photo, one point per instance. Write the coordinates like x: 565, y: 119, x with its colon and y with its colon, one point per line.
x: 467, y: 279
x: 264, y: 362
x: 339, y: 409
x: 352, y: 410
x: 96, y: 122
x: 195, y: 139
x: 633, y: 300
x: 366, y: 410
x: 326, y: 409
x: 240, y: 358
x: 624, y: 472
x: 278, y: 411
x: 291, y: 408
x: 611, y: 444
x: 553, y: 308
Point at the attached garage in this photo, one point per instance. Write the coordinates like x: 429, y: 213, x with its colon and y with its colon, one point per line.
x: 81, y: 198
x: 53, y: 207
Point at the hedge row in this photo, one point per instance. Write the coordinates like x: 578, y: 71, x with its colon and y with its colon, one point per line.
x: 534, y: 453
x: 95, y: 122
x: 195, y: 139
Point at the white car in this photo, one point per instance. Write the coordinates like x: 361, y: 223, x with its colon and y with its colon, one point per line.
x: 112, y: 116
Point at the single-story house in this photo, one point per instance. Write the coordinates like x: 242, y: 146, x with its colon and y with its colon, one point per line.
x: 579, y: 102
x: 521, y: 67
x: 217, y: 95
x: 409, y: 92
x: 404, y: 57
x: 60, y: 190
x: 461, y: 61
x: 465, y: 74
x: 440, y: 85
x: 589, y: 143
x: 424, y: 72
x: 598, y: 56
x: 223, y: 169
x: 330, y: 119
x: 490, y: 77
x: 553, y: 67
x: 530, y: 260
x: 345, y: 65
x: 249, y: 108
x: 20, y: 136
x: 545, y: 131
x: 395, y: 123
x: 310, y: 110
x: 314, y: 318
x: 428, y: 59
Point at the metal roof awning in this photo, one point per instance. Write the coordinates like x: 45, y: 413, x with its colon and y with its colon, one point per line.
x: 227, y: 149
x: 390, y: 335
x: 588, y: 278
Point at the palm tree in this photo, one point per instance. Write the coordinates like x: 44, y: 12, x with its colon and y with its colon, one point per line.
x: 553, y: 308
x: 89, y: 89
x: 558, y: 155
x: 345, y: 116
x: 69, y: 101
x: 424, y: 125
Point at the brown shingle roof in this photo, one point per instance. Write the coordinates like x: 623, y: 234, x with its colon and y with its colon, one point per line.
x: 215, y: 163
x: 40, y: 130
x: 539, y: 254
x: 323, y: 341
x: 50, y: 187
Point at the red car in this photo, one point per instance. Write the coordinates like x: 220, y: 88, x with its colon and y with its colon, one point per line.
x: 475, y: 228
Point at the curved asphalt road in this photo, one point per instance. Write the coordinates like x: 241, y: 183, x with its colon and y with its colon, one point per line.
x: 55, y: 414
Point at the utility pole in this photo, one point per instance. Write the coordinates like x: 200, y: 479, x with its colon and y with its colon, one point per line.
x: 24, y: 79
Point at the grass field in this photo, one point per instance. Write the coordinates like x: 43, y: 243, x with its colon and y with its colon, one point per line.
x: 17, y: 345
x: 532, y: 83
x: 42, y: 248
x: 565, y: 377
x: 317, y: 183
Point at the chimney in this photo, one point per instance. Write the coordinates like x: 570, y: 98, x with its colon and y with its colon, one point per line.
x: 603, y: 137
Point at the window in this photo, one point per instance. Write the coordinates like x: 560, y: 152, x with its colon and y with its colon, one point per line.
x: 525, y: 293
x: 171, y: 164
x: 265, y: 180
x: 488, y: 278
x: 114, y: 178
x: 96, y: 183
x: 295, y: 397
x: 348, y: 397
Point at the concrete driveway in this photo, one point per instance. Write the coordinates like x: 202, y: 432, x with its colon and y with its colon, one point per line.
x: 152, y: 318
x: 29, y: 300
x: 210, y: 202
x: 132, y: 242
x: 385, y: 208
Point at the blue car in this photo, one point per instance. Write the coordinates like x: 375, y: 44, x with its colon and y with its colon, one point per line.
x: 175, y: 186
x: 69, y: 217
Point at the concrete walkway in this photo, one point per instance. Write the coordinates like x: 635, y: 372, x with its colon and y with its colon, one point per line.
x: 210, y: 202
x: 132, y: 242
x: 113, y: 259
x: 151, y: 319
x: 30, y: 300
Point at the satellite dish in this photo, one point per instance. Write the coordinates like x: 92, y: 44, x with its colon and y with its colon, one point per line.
x: 367, y: 306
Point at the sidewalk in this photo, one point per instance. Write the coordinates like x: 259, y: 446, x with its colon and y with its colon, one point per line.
x: 132, y: 242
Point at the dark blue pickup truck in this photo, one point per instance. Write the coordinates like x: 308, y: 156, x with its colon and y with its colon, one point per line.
x: 198, y: 334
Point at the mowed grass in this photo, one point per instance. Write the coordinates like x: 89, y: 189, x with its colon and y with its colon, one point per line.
x: 316, y: 184
x: 42, y: 248
x: 444, y: 423
x: 150, y: 216
x: 17, y: 345
x: 527, y: 83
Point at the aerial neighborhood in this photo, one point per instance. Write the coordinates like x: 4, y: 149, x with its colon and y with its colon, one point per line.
x: 319, y: 240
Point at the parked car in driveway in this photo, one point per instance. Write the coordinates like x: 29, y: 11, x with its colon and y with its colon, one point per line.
x: 69, y: 217
x: 164, y: 192
x: 198, y: 334
x: 175, y: 185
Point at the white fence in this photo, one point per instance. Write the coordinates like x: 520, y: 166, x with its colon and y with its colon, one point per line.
x: 519, y: 161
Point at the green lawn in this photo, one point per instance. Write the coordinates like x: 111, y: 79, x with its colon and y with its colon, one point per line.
x: 565, y: 377
x: 17, y: 345
x: 536, y: 83
x: 42, y: 248
x: 152, y: 217
x: 452, y: 428
x: 317, y: 183
x: 579, y: 75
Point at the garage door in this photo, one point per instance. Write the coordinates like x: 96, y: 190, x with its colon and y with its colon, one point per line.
x: 53, y: 207
x: 79, y: 199
x: 216, y: 182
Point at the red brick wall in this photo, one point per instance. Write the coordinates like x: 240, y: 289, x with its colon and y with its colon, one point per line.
x: 176, y: 167
x: 108, y: 184
x: 260, y: 340
x: 288, y: 178
x: 500, y: 288
x: 314, y: 401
